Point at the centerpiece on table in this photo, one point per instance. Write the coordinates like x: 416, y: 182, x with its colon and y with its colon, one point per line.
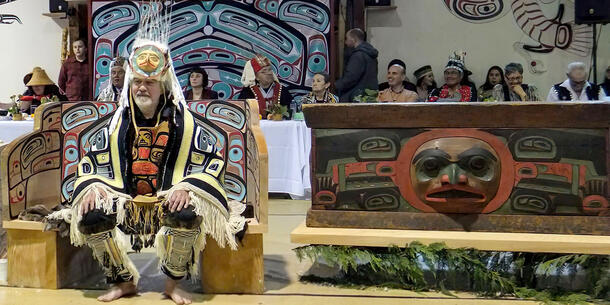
x: 369, y: 96
x: 15, y: 109
x: 276, y: 112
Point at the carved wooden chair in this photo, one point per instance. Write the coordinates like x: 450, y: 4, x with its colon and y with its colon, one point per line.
x: 39, y: 168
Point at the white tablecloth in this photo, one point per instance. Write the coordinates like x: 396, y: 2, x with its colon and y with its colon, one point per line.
x: 10, y: 130
x: 289, y: 145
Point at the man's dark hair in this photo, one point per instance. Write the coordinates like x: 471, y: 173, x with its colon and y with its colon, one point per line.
x: 325, y: 75
x: 202, y: 71
x: 357, y: 33
x: 81, y: 40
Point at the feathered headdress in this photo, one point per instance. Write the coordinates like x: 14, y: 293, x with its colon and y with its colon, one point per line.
x: 456, y: 61
x: 151, y: 58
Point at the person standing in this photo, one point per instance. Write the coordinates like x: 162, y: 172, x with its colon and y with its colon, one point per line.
x: 360, y: 71
x: 74, y: 73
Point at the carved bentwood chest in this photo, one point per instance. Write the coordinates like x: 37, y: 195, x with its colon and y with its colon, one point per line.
x: 499, y: 167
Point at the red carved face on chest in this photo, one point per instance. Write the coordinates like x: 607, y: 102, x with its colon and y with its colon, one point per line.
x: 455, y: 171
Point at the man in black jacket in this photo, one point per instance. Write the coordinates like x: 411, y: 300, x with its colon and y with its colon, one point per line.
x: 360, y: 70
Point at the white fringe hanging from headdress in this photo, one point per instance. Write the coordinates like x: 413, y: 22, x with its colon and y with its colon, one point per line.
x: 154, y: 29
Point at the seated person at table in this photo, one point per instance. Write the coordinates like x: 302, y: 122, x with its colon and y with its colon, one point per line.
x: 39, y: 85
x: 576, y: 87
x: 495, y: 76
x: 453, y: 90
x: 319, y: 91
x: 115, y: 84
x: 467, y: 82
x: 605, y: 86
x: 198, y: 82
x: 261, y: 83
x: 408, y: 85
x: 425, y: 82
x: 514, y: 90
x: 397, y: 91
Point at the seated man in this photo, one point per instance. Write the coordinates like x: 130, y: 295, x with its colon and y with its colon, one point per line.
x: 514, y: 90
x: 406, y: 83
x: 576, y: 87
x: 396, y: 92
x: 453, y: 90
x: 112, y: 92
x: 605, y: 86
x: 261, y: 83
x: 153, y: 171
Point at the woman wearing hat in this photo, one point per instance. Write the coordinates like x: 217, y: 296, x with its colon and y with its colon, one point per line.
x: 453, y: 90
x: 425, y: 82
x: 39, y: 85
x: 261, y: 83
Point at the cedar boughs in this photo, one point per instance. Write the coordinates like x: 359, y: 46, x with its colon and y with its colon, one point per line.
x: 492, y: 274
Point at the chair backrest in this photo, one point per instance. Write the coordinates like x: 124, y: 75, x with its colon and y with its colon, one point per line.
x: 40, y: 167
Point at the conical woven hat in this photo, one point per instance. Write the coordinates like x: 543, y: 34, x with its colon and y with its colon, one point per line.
x: 39, y: 78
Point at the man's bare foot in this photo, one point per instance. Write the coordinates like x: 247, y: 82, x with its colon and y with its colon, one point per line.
x: 117, y: 291
x: 179, y: 296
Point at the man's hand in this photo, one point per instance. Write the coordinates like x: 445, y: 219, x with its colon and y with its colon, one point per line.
x: 88, y: 203
x: 179, y: 200
x: 519, y: 90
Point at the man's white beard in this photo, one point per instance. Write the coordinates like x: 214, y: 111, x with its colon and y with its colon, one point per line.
x: 145, y: 104
x: 143, y: 101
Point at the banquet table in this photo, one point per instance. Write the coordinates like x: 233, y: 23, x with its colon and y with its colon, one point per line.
x: 288, y: 145
x: 11, y: 130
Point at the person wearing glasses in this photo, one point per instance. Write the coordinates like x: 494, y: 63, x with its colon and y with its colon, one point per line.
x: 514, y: 90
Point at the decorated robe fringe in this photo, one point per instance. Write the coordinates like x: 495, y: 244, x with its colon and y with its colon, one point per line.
x: 217, y: 222
x: 107, y: 203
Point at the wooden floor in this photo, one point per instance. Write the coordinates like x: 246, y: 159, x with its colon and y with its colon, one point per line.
x: 281, y: 279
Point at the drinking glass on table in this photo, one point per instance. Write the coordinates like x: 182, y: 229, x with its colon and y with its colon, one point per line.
x: 33, y: 110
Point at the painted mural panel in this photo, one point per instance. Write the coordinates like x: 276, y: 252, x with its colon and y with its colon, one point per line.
x: 548, y: 25
x: 462, y: 171
x: 221, y: 36
x: 8, y: 18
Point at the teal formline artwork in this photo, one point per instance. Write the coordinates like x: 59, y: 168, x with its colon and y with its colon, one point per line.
x: 513, y: 171
x: 221, y: 36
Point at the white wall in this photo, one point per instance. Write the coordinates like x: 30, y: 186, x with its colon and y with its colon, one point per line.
x: 36, y: 42
x: 424, y: 32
